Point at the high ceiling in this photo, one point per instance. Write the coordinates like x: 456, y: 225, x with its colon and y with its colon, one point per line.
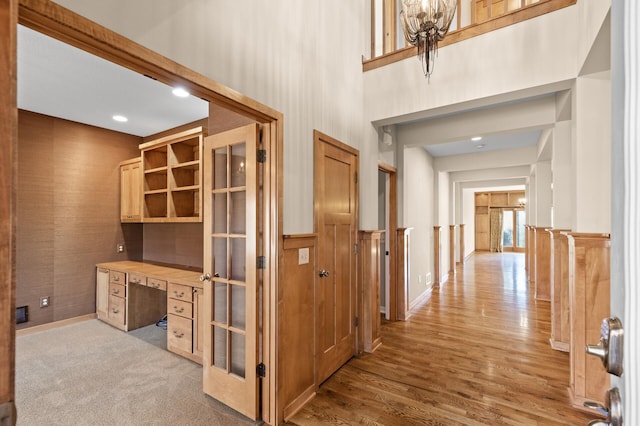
x: 59, y: 80
x: 62, y: 81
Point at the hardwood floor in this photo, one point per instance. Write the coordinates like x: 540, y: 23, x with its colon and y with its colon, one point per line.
x: 476, y: 353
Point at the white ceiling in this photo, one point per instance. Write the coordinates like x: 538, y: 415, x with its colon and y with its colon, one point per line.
x: 488, y: 143
x: 62, y: 81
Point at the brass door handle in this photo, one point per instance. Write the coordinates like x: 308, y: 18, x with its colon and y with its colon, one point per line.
x: 323, y: 273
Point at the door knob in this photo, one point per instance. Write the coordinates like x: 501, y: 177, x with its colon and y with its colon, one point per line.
x: 610, y: 347
x: 323, y: 273
x: 205, y: 277
x: 613, y: 409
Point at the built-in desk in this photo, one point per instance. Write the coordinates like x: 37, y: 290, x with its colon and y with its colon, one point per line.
x: 131, y: 295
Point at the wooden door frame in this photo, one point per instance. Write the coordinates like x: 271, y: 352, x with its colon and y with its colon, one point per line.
x: 395, y: 292
x: 8, y: 173
x: 319, y: 137
x: 62, y: 24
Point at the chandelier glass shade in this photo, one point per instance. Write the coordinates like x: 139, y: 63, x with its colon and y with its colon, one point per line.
x: 425, y: 23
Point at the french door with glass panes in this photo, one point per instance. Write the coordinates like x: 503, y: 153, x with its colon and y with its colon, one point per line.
x: 231, y: 276
x: 513, y: 221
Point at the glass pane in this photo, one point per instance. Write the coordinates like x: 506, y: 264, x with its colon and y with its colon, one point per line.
x: 507, y: 228
x: 238, y: 165
x: 220, y: 258
x: 238, y: 259
x: 220, y: 302
x: 219, y: 347
x: 220, y: 168
x: 238, y: 307
x: 220, y: 213
x: 520, y: 220
x: 238, y: 212
x: 237, y: 354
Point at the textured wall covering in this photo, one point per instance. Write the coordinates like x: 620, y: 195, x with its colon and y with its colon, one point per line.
x: 68, y: 209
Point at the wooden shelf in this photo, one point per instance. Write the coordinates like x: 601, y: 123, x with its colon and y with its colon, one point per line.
x: 172, y: 177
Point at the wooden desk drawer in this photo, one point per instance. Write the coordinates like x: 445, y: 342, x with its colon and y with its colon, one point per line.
x: 117, y: 309
x: 180, y: 307
x: 136, y: 278
x: 179, y: 332
x: 181, y: 292
x: 156, y: 283
x: 117, y: 277
x: 117, y: 290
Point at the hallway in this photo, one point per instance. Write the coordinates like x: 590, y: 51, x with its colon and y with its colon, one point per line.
x: 476, y: 353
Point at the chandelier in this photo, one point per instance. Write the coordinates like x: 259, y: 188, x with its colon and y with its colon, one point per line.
x: 425, y: 23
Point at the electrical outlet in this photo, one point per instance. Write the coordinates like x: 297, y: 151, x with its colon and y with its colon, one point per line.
x: 45, y: 301
x: 303, y: 256
x: 419, y: 279
x: 120, y: 248
x: 427, y: 278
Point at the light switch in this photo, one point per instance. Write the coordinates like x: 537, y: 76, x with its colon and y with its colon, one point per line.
x: 303, y: 256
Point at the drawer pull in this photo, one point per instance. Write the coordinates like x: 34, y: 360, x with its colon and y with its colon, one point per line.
x: 116, y: 278
x: 181, y: 294
x: 116, y: 291
x: 179, y: 311
x: 115, y: 311
x: 178, y: 334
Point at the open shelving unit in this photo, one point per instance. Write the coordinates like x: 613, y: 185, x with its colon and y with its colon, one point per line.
x: 172, y: 177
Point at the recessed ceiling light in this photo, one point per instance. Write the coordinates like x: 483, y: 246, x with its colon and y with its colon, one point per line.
x: 180, y: 92
x: 120, y: 118
x: 480, y: 146
x: 476, y: 138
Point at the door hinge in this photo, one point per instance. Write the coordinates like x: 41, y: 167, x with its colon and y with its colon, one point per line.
x: 262, y: 262
x: 355, y: 249
x: 356, y: 321
x: 262, y: 370
x: 262, y: 155
x: 356, y: 176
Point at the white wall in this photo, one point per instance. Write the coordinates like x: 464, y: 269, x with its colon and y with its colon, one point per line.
x: 592, y: 153
x: 443, y: 218
x: 302, y: 58
x: 418, y: 210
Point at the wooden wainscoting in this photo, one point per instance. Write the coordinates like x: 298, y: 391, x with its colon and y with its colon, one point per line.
x: 531, y: 260
x: 461, y: 244
x: 296, y: 332
x: 560, y: 315
x: 452, y: 249
x: 543, y: 264
x: 369, y: 277
x: 589, y: 282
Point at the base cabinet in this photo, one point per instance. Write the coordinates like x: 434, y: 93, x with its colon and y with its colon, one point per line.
x: 184, y: 320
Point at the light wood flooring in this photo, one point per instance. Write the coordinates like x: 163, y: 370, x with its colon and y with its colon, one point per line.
x: 476, y: 353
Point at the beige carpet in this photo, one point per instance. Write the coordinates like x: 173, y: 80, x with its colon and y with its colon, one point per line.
x: 89, y: 373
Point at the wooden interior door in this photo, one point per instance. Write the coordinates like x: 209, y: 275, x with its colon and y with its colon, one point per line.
x: 336, y: 219
x: 231, y: 250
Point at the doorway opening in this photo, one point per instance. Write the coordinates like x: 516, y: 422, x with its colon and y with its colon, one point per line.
x: 390, y: 292
x: 513, y: 221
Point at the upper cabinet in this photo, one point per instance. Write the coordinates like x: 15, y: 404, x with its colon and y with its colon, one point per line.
x: 171, y: 177
x: 131, y: 190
